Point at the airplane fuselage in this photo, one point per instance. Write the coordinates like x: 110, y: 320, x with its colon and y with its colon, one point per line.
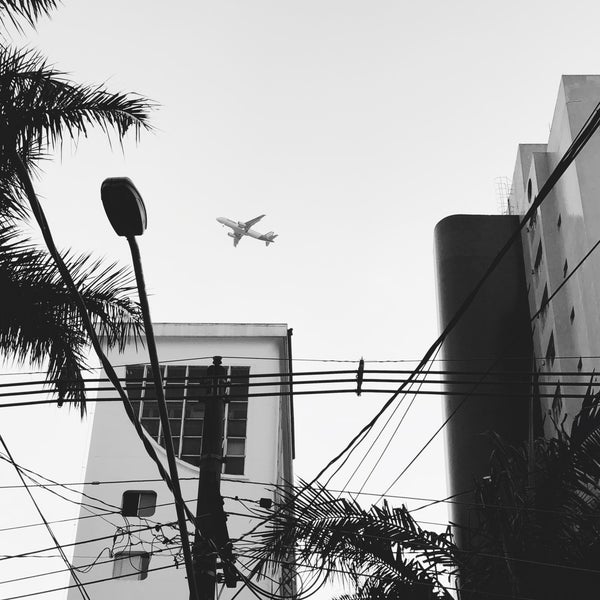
x: 240, y: 230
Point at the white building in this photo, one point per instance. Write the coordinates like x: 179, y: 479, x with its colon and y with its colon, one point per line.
x: 121, y: 478
x: 566, y: 336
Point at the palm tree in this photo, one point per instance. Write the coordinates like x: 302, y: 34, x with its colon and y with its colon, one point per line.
x: 537, y: 531
x: 39, y: 108
x: 381, y: 552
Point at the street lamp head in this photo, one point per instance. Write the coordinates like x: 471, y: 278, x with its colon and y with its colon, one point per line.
x: 124, y: 206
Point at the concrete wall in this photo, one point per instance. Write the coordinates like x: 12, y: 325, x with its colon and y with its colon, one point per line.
x: 116, y: 453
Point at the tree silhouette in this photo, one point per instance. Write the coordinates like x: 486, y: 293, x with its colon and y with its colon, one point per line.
x: 39, y: 108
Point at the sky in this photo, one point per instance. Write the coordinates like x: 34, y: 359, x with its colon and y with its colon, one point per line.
x: 354, y: 126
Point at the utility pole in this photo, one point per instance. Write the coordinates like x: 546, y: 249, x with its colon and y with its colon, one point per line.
x: 211, y: 539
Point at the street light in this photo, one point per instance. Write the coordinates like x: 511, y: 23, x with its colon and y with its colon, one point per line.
x: 126, y: 212
x: 124, y: 206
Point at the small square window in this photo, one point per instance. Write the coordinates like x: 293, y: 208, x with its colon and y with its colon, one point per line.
x: 131, y: 565
x: 138, y: 504
x: 236, y: 447
x: 234, y: 465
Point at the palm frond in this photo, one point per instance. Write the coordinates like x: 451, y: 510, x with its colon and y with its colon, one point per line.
x: 40, y: 323
x: 28, y: 10
x: 41, y: 107
x: 337, y: 535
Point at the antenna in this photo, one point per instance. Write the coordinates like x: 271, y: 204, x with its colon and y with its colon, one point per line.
x: 503, y: 195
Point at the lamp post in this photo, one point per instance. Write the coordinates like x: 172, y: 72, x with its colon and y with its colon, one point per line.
x: 126, y: 212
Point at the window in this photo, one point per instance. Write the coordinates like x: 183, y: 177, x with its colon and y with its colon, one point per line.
x: 565, y: 268
x: 559, y: 222
x: 138, y: 504
x: 185, y: 389
x: 529, y: 190
x: 131, y: 565
x: 580, y: 364
x: 538, y: 259
x: 550, y: 351
x: 572, y: 315
x: 544, y: 305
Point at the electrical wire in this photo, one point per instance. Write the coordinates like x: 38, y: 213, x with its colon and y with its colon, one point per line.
x: 181, y: 381
x: 42, y: 222
x: 78, y: 583
x: 469, y: 359
x: 462, y: 403
x: 79, y: 543
x: 68, y: 587
x: 381, y: 454
x: 81, y: 568
x: 577, y: 145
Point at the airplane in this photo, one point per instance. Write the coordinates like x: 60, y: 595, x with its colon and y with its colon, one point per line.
x: 240, y: 229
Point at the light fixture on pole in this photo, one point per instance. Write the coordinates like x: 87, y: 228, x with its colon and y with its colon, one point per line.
x: 126, y: 212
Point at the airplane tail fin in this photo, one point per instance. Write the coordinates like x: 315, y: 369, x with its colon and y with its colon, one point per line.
x: 270, y: 237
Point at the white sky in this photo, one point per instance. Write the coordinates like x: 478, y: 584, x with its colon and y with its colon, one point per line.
x: 355, y: 126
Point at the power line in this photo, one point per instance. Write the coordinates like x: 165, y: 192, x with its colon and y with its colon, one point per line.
x: 439, y: 393
x: 79, y: 543
x: 78, y: 583
x: 580, y: 140
x: 176, y: 382
x: 68, y: 587
x: 321, y: 360
x: 539, y: 394
x: 392, y: 436
x: 79, y: 567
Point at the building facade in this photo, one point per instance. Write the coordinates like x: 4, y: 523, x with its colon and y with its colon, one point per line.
x: 529, y: 364
x: 129, y: 511
x: 566, y: 334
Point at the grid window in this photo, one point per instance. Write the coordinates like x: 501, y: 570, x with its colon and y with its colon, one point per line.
x: 138, y: 504
x: 186, y: 388
x: 131, y: 565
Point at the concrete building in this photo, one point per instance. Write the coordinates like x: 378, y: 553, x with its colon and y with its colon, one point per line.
x: 501, y: 333
x: 123, y: 482
x: 488, y: 354
x: 566, y: 336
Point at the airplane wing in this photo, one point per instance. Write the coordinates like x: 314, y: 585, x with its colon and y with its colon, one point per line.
x: 251, y: 222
